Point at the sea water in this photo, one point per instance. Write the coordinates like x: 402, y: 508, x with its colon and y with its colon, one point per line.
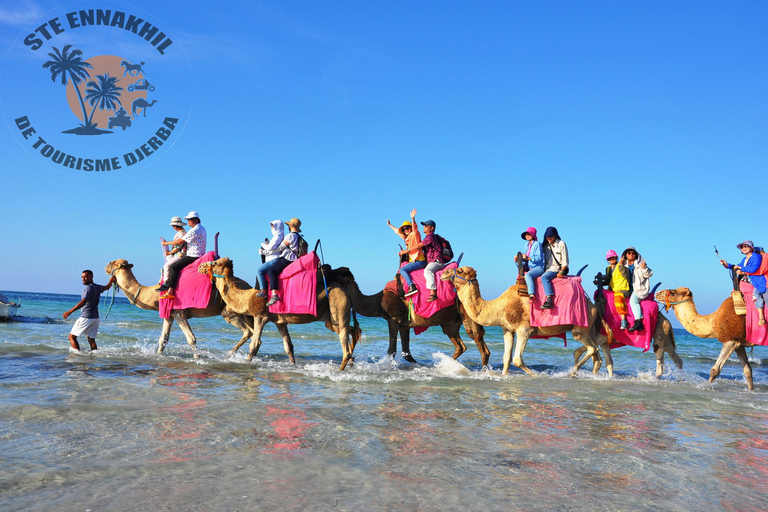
x: 129, y: 429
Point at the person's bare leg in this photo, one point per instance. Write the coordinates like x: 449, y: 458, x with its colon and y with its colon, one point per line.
x: 73, y: 342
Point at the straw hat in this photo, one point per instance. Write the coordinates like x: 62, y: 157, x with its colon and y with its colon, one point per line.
x: 176, y: 221
x: 295, y: 223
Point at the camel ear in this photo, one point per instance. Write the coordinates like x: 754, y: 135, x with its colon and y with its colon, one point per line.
x: 227, y: 267
x: 472, y: 274
x: 130, y: 265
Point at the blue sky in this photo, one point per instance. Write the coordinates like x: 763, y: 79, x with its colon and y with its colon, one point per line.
x: 620, y: 123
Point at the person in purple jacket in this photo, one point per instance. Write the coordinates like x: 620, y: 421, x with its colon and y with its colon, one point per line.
x: 749, y: 265
x: 433, y: 251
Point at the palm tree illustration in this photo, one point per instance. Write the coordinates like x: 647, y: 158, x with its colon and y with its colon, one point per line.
x: 105, y: 94
x: 69, y: 65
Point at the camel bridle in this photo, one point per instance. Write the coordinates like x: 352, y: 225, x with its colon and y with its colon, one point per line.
x: 668, y: 303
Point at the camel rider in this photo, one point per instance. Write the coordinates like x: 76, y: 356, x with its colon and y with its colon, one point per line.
x: 175, y: 252
x: 534, y: 261
x: 195, y: 239
x: 640, y: 284
x: 271, y: 249
x: 288, y: 253
x: 617, y: 279
x: 433, y: 251
x: 749, y: 265
x: 556, y: 255
x: 416, y: 258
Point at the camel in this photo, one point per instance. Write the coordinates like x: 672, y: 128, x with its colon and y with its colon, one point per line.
x: 241, y: 298
x: 141, y: 103
x: 724, y: 324
x: 663, y: 341
x: 147, y: 298
x: 512, y: 314
x: 387, y: 305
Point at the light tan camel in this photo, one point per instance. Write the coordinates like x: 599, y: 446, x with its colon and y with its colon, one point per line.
x: 663, y: 341
x: 512, y: 314
x: 724, y: 324
x: 241, y: 298
x: 394, y: 310
x: 147, y: 298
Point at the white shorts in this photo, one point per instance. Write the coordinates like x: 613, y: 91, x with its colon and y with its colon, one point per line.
x: 87, y: 326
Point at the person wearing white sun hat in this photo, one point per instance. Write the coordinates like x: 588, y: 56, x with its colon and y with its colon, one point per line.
x: 195, y: 239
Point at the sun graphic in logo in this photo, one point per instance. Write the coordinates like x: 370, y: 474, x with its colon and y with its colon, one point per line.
x: 105, y: 92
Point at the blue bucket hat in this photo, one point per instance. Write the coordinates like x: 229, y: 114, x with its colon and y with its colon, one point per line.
x: 551, y: 231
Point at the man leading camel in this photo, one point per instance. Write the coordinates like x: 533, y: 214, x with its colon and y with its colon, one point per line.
x: 195, y: 239
x: 88, y: 323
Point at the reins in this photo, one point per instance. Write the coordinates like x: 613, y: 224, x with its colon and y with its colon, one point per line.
x: 667, y: 302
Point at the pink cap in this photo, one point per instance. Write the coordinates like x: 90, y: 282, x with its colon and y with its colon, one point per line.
x: 611, y: 254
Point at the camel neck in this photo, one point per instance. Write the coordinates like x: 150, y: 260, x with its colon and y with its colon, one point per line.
x: 475, y: 306
x: 366, y: 305
x: 701, y: 326
x: 141, y: 296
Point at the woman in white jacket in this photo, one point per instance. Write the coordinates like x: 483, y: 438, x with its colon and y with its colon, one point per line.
x: 640, y: 283
x: 556, y: 263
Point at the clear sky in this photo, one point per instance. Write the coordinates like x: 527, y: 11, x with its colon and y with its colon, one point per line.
x: 621, y: 123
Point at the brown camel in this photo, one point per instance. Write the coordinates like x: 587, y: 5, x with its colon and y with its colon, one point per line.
x: 147, y: 298
x: 724, y: 324
x: 240, y: 297
x: 387, y: 305
x: 512, y: 314
x: 663, y: 341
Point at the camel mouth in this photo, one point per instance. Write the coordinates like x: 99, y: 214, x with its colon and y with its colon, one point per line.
x: 662, y: 295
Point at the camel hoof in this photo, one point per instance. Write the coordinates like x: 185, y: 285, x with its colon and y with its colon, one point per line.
x: 408, y: 357
x: 347, y: 360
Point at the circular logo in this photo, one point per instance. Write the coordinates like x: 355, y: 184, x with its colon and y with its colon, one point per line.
x: 96, y: 87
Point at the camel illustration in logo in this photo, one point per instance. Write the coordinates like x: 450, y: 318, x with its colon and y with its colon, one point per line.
x: 132, y: 69
x: 141, y: 103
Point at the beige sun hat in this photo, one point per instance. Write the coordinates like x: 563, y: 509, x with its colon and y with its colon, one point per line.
x: 295, y: 223
x: 176, y: 221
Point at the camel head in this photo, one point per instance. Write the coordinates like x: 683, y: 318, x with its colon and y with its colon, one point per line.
x: 112, y: 266
x: 221, y: 267
x: 672, y: 297
x: 460, y: 276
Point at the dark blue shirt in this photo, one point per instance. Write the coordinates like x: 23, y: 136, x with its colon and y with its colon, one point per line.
x: 91, y: 294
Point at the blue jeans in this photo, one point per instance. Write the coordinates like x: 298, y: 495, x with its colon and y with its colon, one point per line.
x: 530, y: 279
x: 546, y: 281
x: 271, y: 269
x: 634, y: 304
x: 405, y: 270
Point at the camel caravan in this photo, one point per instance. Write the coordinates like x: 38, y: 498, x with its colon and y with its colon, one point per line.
x: 432, y: 289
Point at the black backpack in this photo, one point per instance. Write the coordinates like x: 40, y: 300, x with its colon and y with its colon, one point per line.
x: 446, y: 252
x: 303, y: 247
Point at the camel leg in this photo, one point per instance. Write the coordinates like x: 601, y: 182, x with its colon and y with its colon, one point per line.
x: 608, y: 360
x: 658, y: 351
x: 258, y: 327
x: 741, y: 352
x: 517, y: 360
x: 242, y: 322
x: 339, y: 308
x: 164, y: 334
x: 287, y: 344
x: 509, y: 343
x: 393, y: 327
x: 578, y: 353
x: 725, y: 353
x: 357, y: 333
x: 478, y: 335
x: 592, y: 352
x: 670, y: 346
x: 405, y: 342
x: 452, y: 331
x: 181, y: 317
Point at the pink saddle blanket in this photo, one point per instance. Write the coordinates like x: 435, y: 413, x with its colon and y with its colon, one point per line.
x: 756, y: 334
x: 193, y: 289
x: 446, y: 295
x: 621, y: 338
x: 297, y: 287
x: 570, y: 304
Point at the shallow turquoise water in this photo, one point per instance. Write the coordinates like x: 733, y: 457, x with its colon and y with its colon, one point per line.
x: 128, y: 429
